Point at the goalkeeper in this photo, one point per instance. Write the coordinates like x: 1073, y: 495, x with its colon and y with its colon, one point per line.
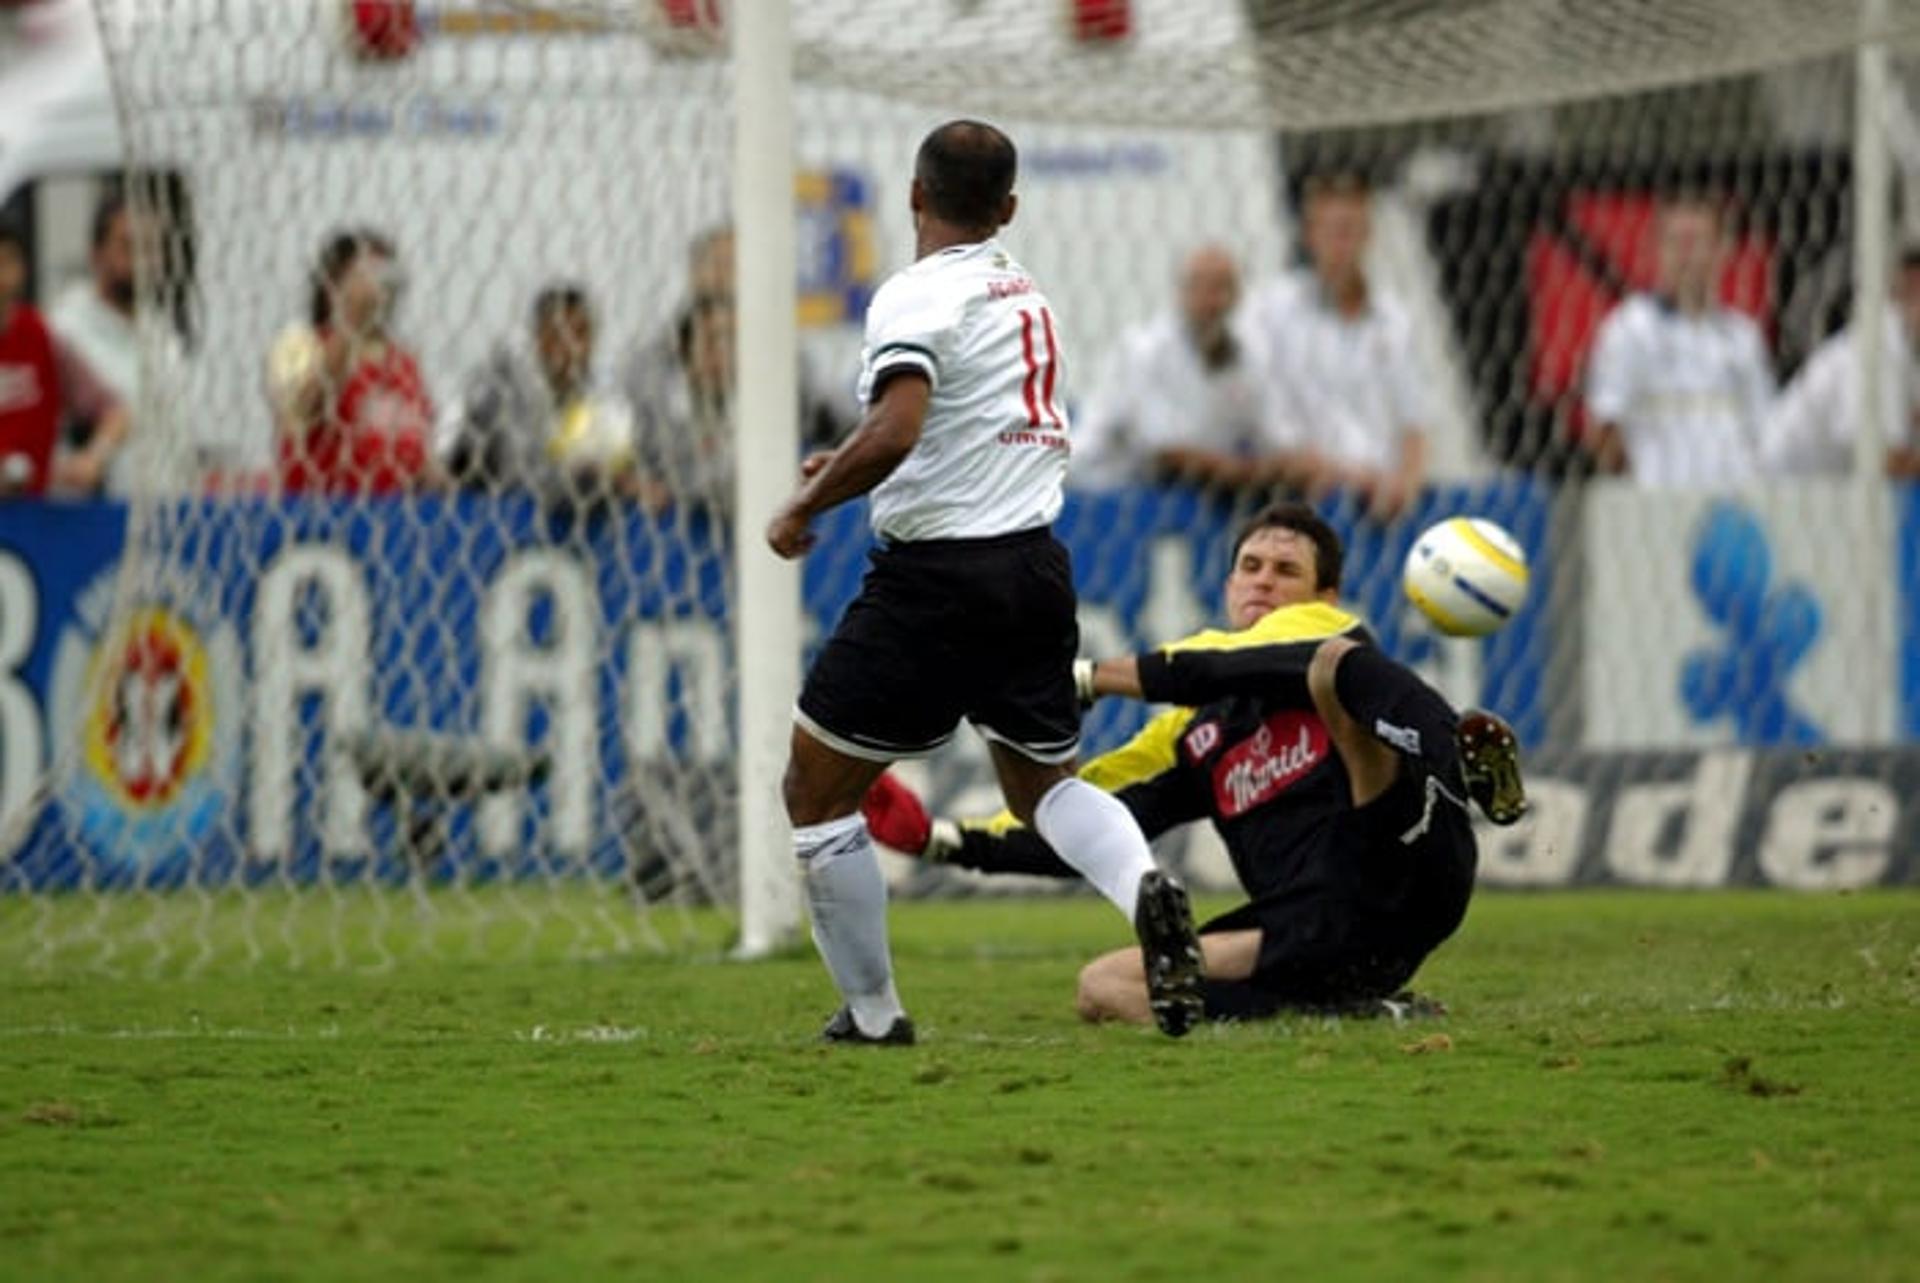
x: 1337, y: 779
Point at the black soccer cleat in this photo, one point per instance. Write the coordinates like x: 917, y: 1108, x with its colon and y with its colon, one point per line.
x: 843, y: 1029
x: 1163, y: 920
x: 1490, y: 759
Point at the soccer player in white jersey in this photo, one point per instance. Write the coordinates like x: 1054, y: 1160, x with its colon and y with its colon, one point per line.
x: 1678, y: 386
x: 1811, y: 430
x: 968, y: 607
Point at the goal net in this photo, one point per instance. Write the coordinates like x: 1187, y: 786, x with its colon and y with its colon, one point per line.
x: 412, y: 622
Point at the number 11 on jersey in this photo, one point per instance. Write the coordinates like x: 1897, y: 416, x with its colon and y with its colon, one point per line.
x: 1042, y: 367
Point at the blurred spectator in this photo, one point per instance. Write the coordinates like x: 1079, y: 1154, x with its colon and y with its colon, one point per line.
x: 353, y: 412
x: 1186, y: 396
x: 96, y: 319
x: 1678, y: 386
x: 681, y: 383
x: 531, y: 415
x: 1347, y: 382
x: 1812, y: 427
x: 42, y: 382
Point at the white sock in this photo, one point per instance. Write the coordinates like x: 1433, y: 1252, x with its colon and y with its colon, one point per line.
x: 848, y: 897
x: 1097, y: 835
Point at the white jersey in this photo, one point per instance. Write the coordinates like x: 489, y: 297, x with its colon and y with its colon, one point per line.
x: 992, y: 454
x: 1812, y: 426
x: 1157, y: 393
x: 1688, y: 393
x: 1346, y: 386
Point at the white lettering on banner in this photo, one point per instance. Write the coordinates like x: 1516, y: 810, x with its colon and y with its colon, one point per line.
x: 287, y: 668
x: 1829, y: 834
x: 1543, y: 849
x: 22, y: 737
x: 695, y: 650
x: 1680, y: 834
x: 559, y: 675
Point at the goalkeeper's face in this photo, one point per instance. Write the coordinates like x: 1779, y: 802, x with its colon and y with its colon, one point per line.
x: 1273, y: 567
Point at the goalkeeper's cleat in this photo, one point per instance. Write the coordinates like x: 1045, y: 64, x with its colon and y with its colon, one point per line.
x: 843, y: 1029
x: 1490, y: 759
x: 1163, y: 920
x: 895, y: 816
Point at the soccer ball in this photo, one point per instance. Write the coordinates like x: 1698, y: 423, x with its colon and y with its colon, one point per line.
x: 595, y: 433
x: 1467, y: 575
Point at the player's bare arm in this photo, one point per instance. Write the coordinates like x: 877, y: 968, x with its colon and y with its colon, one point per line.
x: 869, y: 456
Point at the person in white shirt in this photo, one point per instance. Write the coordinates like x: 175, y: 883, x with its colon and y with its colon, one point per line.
x: 1185, y: 396
x: 968, y: 609
x: 1678, y: 385
x: 1811, y: 430
x: 95, y: 319
x: 1347, y: 382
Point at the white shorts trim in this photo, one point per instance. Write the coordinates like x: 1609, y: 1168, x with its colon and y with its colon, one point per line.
x: 1052, y: 754
x: 865, y: 752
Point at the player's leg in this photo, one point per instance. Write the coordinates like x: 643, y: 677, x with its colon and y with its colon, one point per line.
x: 868, y: 700
x: 1114, y: 985
x: 1378, y: 711
x: 1021, y: 697
x: 1089, y: 829
x: 1096, y: 834
x: 846, y: 894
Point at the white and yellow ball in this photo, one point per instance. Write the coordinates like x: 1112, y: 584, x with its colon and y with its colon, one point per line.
x: 1467, y: 575
x: 593, y: 432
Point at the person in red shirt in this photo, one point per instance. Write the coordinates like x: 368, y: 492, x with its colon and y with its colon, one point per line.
x: 354, y: 414
x: 42, y: 384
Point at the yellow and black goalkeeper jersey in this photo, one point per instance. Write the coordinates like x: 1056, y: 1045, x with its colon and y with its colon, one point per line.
x: 1250, y: 754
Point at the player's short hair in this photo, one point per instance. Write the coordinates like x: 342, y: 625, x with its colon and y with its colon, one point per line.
x: 561, y: 296
x: 112, y: 204
x: 12, y: 234
x: 1300, y: 518
x: 966, y: 170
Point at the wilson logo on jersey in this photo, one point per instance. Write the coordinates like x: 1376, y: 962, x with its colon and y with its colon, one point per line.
x: 1203, y: 739
x: 1282, y: 751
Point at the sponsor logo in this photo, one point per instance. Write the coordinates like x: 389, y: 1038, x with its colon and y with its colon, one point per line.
x: 1286, y: 747
x: 1770, y: 628
x: 1203, y: 739
x: 147, y: 700
x: 1404, y: 738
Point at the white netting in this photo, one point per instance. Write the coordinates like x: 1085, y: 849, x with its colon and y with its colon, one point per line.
x: 500, y: 701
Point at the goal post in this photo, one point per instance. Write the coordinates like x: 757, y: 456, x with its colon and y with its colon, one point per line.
x: 768, y: 600
x: 345, y: 670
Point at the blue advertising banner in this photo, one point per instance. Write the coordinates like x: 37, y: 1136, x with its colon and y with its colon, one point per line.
x: 206, y: 715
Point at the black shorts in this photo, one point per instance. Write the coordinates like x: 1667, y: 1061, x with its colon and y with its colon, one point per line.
x: 1397, y: 876
x: 949, y: 628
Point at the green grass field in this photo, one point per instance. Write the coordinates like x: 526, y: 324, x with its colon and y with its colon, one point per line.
x: 1713, y: 1086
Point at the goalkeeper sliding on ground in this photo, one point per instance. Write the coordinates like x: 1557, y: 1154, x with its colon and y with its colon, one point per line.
x: 1338, y: 780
